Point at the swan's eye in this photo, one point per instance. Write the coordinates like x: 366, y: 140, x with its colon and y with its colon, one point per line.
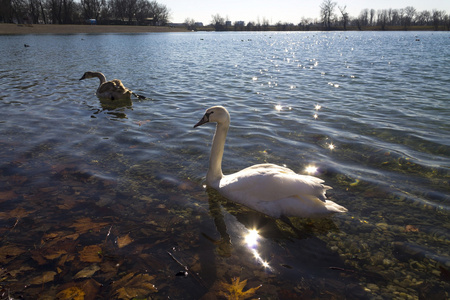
x: 208, y: 114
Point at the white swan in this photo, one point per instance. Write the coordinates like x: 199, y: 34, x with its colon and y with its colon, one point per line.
x: 270, y: 189
x: 112, y: 90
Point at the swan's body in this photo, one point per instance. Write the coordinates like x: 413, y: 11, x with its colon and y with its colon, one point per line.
x: 271, y: 189
x: 112, y: 90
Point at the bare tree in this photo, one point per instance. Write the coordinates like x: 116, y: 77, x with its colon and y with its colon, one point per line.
x: 437, y: 16
x: 344, y: 16
x: 92, y: 8
x: 446, y: 21
x: 364, y: 17
x: 383, y: 18
x: 265, y: 24
x: 372, y: 17
x: 410, y: 13
x: 190, y: 24
x: 161, y: 13
x: 423, y: 17
x: 326, y: 12
x: 218, y: 22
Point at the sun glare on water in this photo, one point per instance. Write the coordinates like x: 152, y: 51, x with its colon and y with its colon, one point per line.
x: 251, y: 240
x: 311, y: 169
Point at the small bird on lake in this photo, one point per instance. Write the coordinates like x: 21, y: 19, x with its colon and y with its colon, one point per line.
x: 112, y: 90
x: 270, y: 189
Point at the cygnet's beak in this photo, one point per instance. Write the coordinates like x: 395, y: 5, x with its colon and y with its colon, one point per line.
x: 204, y: 120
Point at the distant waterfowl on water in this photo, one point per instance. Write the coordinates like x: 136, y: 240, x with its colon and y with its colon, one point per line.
x: 112, y: 90
x: 270, y: 189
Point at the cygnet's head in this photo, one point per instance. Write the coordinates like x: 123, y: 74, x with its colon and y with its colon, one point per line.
x: 218, y: 114
x: 88, y: 75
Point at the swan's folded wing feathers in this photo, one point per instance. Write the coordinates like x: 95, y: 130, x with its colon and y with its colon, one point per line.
x: 265, y: 183
x: 107, y: 87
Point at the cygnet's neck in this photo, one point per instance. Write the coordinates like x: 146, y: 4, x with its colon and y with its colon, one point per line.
x: 100, y: 76
x: 215, y: 160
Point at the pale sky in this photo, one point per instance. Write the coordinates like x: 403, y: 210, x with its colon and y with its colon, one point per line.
x: 290, y: 11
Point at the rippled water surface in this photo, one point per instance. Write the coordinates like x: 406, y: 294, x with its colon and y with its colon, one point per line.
x: 108, y: 199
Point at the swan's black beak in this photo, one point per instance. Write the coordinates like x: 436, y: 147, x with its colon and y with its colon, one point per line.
x: 204, y: 120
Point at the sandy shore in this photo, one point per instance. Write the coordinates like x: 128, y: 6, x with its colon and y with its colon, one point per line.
x: 68, y: 29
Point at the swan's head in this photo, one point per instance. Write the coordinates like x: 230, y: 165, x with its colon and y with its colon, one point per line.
x: 87, y: 75
x: 218, y: 114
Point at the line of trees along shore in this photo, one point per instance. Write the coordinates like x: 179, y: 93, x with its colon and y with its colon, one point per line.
x: 335, y: 17
x: 119, y: 12
x: 150, y: 12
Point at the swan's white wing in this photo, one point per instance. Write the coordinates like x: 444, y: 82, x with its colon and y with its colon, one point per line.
x: 268, y: 183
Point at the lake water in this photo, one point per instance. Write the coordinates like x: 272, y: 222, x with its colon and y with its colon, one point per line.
x: 108, y: 199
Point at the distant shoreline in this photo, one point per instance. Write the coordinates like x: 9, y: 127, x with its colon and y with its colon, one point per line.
x: 18, y: 29
x: 11, y: 29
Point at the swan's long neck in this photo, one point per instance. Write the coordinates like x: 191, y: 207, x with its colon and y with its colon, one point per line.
x: 215, y: 160
x: 101, y: 77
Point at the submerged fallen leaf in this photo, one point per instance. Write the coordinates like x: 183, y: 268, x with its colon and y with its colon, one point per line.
x: 69, y: 202
x: 65, y: 258
x: 87, y: 272
x: 9, y: 252
x: 7, y: 195
x: 54, y: 237
x: 142, y: 122
x: 84, y: 225
x: 54, y: 255
x: 234, y: 291
x: 44, y: 278
x: 411, y: 228
x: 131, y: 286
x: 91, y: 253
x: 72, y: 293
x: 22, y: 269
x: 124, y: 241
x: 17, y: 213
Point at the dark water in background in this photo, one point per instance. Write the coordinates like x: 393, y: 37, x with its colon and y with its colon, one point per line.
x: 380, y: 138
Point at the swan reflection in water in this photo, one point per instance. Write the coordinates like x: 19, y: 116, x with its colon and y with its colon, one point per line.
x: 114, y: 107
x: 261, y: 236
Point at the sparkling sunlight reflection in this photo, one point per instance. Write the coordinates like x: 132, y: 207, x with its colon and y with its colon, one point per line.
x: 251, y: 239
x: 311, y: 169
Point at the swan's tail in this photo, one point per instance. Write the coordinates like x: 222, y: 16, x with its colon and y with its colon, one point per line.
x: 139, y: 96
x: 333, y: 207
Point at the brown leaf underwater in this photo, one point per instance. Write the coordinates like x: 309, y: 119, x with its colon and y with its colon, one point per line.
x: 84, y: 225
x: 9, y: 252
x: 124, y: 241
x: 91, y: 254
x: 72, y: 293
x: 234, y: 291
x: 87, y: 272
x: 131, y: 286
x: 44, y: 278
x: 17, y: 213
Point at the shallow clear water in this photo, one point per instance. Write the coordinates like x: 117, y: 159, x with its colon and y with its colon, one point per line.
x: 380, y: 138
